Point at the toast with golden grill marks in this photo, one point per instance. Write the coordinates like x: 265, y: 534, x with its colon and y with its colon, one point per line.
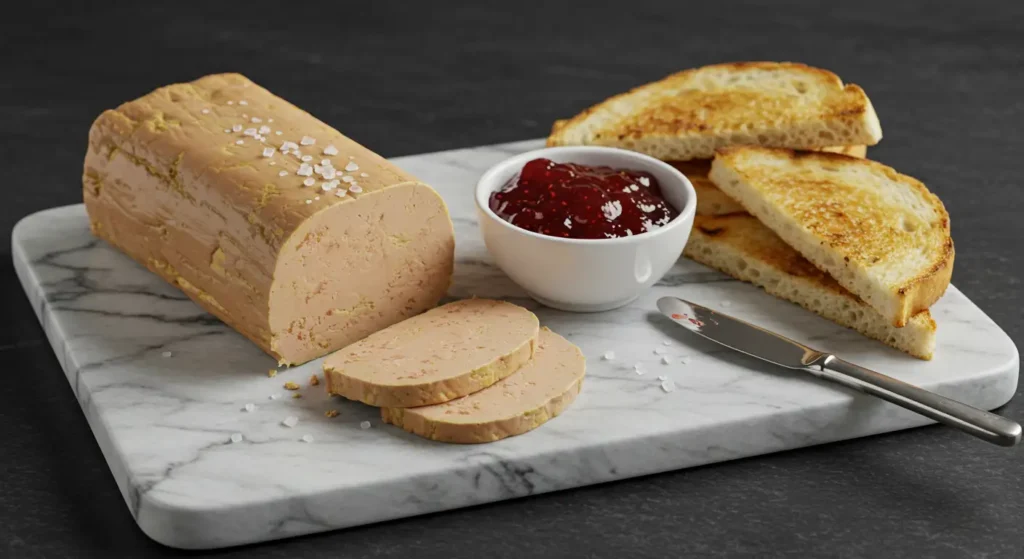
x: 739, y: 245
x: 712, y: 201
x: 690, y: 114
x: 881, y: 234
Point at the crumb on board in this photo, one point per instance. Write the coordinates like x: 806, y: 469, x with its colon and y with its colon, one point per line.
x: 291, y: 386
x: 314, y: 380
x: 332, y: 413
x: 272, y: 373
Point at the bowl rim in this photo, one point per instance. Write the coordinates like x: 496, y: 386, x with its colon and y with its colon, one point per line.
x: 485, y: 186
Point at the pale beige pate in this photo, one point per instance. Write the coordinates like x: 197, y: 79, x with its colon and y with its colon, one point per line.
x: 300, y: 257
x: 539, y: 391
x: 442, y: 354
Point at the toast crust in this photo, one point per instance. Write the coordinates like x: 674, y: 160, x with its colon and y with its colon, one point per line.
x: 863, y: 232
x: 689, y: 114
x: 740, y: 246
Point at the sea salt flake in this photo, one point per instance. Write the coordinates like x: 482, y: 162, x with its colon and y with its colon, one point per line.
x: 231, y: 102
x: 608, y: 355
x: 243, y: 102
x: 330, y: 150
x: 325, y: 162
x: 351, y: 166
x: 634, y: 187
x: 249, y: 407
x: 316, y: 197
x: 290, y: 421
x: 268, y: 152
x: 264, y: 130
x: 364, y: 175
x: 668, y: 385
x: 304, y: 170
x: 307, y: 141
x: 647, y: 208
x: 340, y: 193
x: 645, y: 181
x: 568, y: 223
x: 270, y: 120
x: 307, y: 438
x: 251, y: 132
x: 348, y: 178
x: 227, y: 130
x: 237, y: 128
x: 329, y: 173
x: 307, y: 158
x: 283, y: 174
x: 240, y: 142
x: 255, y: 120
x: 355, y: 189
x: 236, y: 437
x: 309, y: 182
x: 245, y: 115
x: 272, y: 163
x: 289, y: 145
x: 309, y: 201
x: 205, y: 111
x: 364, y: 425
x: 612, y: 210
x: 278, y: 132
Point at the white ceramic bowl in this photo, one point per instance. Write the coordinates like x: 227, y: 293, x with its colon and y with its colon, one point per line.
x: 587, y: 275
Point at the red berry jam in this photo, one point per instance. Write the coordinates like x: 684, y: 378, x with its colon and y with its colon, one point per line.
x: 581, y: 202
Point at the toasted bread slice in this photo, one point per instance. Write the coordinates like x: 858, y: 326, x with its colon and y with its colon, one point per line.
x: 690, y: 114
x: 882, y: 235
x: 712, y: 201
x: 739, y: 245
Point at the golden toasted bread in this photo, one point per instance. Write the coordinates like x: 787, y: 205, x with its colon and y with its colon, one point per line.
x: 881, y: 234
x: 690, y: 114
x: 739, y: 245
x: 712, y: 201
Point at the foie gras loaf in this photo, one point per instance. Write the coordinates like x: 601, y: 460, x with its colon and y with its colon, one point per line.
x: 442, y: 354
x: 539, y: 391
x: 296, y: 236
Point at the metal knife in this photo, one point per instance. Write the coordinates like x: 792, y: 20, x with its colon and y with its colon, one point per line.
x: 773, y: 348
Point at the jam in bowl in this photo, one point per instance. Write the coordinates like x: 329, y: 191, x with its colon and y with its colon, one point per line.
x: 576, y: 201
x: 585, y: 228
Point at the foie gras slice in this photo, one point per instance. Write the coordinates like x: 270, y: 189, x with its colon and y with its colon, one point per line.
x: 296, y: 236
x: 445, y: 353
x: 536, y: 393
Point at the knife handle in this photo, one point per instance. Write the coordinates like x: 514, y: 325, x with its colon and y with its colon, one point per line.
x: 982, y: 424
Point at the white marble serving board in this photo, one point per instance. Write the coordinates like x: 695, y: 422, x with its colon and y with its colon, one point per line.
x: 164, y: 422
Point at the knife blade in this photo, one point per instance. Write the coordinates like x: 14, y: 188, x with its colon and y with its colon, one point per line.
x: 768, y: 346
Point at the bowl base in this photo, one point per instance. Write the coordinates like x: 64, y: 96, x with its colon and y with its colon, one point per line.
x: 582, y: 308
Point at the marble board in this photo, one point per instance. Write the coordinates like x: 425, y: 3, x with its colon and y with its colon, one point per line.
x: 164, y: 387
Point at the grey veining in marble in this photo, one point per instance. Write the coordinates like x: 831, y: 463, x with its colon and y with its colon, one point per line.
x: 164, y: 387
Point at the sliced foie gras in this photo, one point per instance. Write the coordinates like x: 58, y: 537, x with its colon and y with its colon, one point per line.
x: 542, y: 389
x: 442, y: 354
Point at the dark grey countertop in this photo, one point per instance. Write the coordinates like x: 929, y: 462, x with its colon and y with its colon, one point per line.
x: 413, y: 77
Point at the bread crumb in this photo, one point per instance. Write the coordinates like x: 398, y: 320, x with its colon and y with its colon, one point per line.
x: 332, y: 413
x: 272, y: 373
x: 297, y: 395
x: 314, y: 380
x: 291, y: 386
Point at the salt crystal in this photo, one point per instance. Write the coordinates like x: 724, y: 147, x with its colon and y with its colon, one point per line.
x: 255, y: 120
x: 330, y: 150
x: 304, y: 170
x: 231, y: 102
x: 283, y: 174
x: 307, y: 157
x: 268, y: 152
x: 609, y: 355
x: 289, y: 145
x: 340, y: 193
x: 644, y: 181
x: 364, y: 175
x: 364, y: 425
x: 309, y: 182
x: 307, y: 438
x: 316, y: 197
x: 240, y: 142
x: 278, y: 132
x: 249, y: 407
x: 325, y: 162
x: 307, y: 141
x: 227, y: 130
x: 348, y: 178
x: 351, y: 166
x: 668, y: 386
x: 236, y: 437
x: 665, y: 360
x: 290, y: 421
x: 245, y: 115
x: 329, y: 173
x: 355, y: 189
x: 270, y: 120
x: 309, y: 201
x: 243, y: 102
x: 205, y: 111
x: 264, y: 130
x: 237, y: 128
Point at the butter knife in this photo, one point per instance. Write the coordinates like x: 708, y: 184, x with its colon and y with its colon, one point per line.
x: 773, y: 348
